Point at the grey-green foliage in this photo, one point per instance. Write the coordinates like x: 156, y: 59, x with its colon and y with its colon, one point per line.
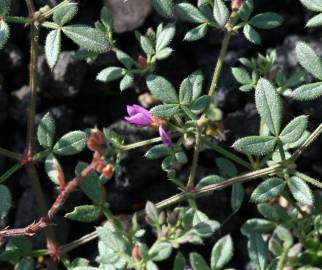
x: 5, y: 7
x: 257, y: 250
x: 71, y: 143
x: 46, y: 131
x: 255, y: 145
x: 300, y: 190
x: 4, y: 33
x: 163, y: 7
x: 316, y: 6
x: 268, y: 190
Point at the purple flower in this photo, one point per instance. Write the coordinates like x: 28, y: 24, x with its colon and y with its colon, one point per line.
x: 166, y: 139
x: 139, y: 116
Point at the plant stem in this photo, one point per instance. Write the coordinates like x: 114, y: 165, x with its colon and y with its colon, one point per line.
x: 10, y: 172
x: 195, y: 159
x: 12, y: 155
x: 15, y: 19
x: 140, y: 144
x: 309, y: 179
x: 31, y: 7
x: 282, y: 260
x: 226, y: 153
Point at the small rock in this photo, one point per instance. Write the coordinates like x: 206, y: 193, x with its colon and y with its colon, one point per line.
x: 65, y: 80
x: 128, y: 15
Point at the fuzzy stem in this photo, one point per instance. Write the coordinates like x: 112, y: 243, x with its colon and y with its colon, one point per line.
x: 309, y: 179
x: 195, y: 159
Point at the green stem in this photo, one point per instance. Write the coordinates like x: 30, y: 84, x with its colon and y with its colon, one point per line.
x: 226, y: 153
x: 282, y: 260
x: 195, y: 159
x: 309, y: 179
x: 12, y: 155
x: 140, y: 144
x: 15, y: 19
x: 52, y: 10
x: 10, y: 172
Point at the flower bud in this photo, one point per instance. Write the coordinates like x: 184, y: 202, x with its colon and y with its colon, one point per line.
x: 173, y: 218
x: 108, y: 171
x: 165, y: 231
x: 142, y: 61
x: 162, y: 217
x: 136, y: 252
x: 236, y: 4
x: 95, y: 140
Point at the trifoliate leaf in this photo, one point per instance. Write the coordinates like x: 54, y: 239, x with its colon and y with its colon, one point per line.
x: 196, y: 33
x: 267, y: 20
x: 110, y: 74
x: 4, y: 33
x: 162, y: 89
x: 294, y: 129
x: 87, y: 37
x: 242, y: 76
x: 70, y: 144
x: 309, y: 59
x: 255, y: 145
x: 46, y: 131
x: 147, y: 45
x: 251, y: 34
x: 163, y: 7
x: 222, y: 252
x: 65, y: 13
x: 200, y: 104
x: 307, y: 92
x: 53, y: 47
x: 257, y: 251
x: 280, y: 241
x: 84, y: 213
x: 246, y: 10
x: 269, y: 105
x: 268, y: 190
x: 185, y: 92
x: 300, y: 190
x: 165, y: 37
x: 125, y: 59
x: 190, y: 13
x: 221, y: 12
x: 164, y: 53
x: 165, y: 111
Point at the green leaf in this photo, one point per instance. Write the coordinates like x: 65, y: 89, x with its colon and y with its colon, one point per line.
x: 221, y: 12
x: 53, y: 47
x: 300, y: 190
x: 127, y: 81
x: 251, y: 34
x: 190, y: 13
x: 206, y: 228
x: 200, y: 104
x: 150, y: 265
x: 4, y: 33
x: 158, y: 151
x: 197, y: 80
x: 237, y: 196
x: 257, y: 251
x: 87, y: 37
x: 91, y: 185
x: 16, y: 247
x: 106, y: 18
x: 269, y: 105
x: 246, y: 10
x: 197, y: 262
x: 125, y: 59
x: 307, y: 92
x: 165, y: 111
x: 316, y: 21
x: 84, y: 213
x: 210, y: 180
x: 309, y: 60
x: 5, y: 201
x: 146, y: 45
x: 164, y: 53
x: 70, y: 144
x: 268, y: 190
x: 255, y: 145
x: 294, y: 129
x: 314, y: 5
x: 242, y: 76
x: 226, y: 167
x: 280, y: 241
x: 46, y: 131
x: 267, y: 20
x: 152, y: 212
x: 257, y: 225
x: 163, y: 7
x: 25, y: 264
x: 179, y: 262
x: 196, y: 33
x: 222, y: 252
x: 5, y: 7
x: 162, y: 89
x: 65, y: 13
x: 273, y: 213
x: 160, y: 251
x: 110, y: 74
x: 53, y: 168
x: 165, y: 37
x: 185, y: 92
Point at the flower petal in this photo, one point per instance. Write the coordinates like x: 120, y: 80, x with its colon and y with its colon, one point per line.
x: 166, y: 139
x: 139, y: 119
